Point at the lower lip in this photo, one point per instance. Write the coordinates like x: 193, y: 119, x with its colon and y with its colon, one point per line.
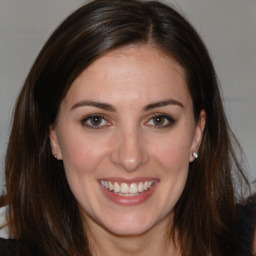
x: 131, y: 200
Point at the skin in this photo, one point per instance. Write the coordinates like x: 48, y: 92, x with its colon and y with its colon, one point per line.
x: 128, y: 144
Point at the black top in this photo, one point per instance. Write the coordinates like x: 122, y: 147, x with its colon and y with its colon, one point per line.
x: 7, y: 247
x: 242, y: 245
x: 245, y: 228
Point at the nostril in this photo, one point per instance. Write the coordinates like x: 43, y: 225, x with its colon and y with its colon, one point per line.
x: 129, y: 158
x: 129, y: 152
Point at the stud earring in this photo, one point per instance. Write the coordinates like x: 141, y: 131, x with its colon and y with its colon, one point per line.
x: 56, y: 155
x: 195, y: 155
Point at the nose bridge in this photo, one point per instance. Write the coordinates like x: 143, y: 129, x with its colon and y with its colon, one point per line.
x: 129, y: 152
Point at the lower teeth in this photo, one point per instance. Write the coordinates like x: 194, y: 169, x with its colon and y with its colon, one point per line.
x: 126, y: 195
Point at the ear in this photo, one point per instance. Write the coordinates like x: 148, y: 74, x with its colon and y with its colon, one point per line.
x: 198, y: 134
x: 56, y: 152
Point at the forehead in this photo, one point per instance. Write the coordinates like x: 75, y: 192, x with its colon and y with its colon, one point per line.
x: 130, y: 73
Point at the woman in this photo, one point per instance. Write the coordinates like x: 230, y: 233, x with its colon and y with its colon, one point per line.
x: 119, y: 143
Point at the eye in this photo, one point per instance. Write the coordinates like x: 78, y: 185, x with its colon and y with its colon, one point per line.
x: 161, y: 121
x: 94, y: 121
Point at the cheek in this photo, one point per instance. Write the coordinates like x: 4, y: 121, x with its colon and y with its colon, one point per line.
x: 172, y: 156
x: 83, y: 158
x: 82, y: 154
x: 173, y: 151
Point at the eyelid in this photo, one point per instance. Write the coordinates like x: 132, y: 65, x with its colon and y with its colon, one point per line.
x: 88, y: 117
x: 169, y: 118
x: 171, y: 121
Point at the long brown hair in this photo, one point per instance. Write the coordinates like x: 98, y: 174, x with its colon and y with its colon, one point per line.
x: 42, y: 210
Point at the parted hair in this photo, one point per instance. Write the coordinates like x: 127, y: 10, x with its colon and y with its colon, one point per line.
x: 42, y: 211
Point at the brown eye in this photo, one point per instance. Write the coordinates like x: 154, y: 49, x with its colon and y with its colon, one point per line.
x: 159, y: 120
x: 95, y: 121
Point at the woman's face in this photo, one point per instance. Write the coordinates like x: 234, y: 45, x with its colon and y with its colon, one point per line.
x: 126, y: 133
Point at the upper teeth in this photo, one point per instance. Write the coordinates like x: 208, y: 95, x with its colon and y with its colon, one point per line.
x: 125, y: 188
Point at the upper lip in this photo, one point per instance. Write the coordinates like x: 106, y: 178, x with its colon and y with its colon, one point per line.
x: 128, y: 181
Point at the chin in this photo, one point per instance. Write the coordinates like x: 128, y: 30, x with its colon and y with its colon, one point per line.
x: 128, y: 230
x: 129, y: 225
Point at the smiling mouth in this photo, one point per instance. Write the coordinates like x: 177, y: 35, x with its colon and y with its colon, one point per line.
x: 126, y: 189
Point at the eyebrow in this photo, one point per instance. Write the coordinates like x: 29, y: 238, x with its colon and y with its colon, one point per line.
x: 109, y: 107
x: 162, y: 104
x: 104, y: 106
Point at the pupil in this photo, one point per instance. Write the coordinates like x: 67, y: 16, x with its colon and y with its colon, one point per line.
x: 158, y: 120
x: 96, y: 120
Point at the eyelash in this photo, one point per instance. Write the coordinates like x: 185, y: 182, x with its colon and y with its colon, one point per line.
x: 89, y: 118
x: 170, y: 121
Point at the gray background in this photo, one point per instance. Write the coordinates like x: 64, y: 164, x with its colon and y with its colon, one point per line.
x: 228, y: 28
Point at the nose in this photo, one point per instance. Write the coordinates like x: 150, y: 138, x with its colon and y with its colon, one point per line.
x: 129, y: 152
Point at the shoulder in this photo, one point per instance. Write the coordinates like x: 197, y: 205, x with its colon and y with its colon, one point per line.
x: 10, y: 246
x: 245, y: 227
x: 7, y: 247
